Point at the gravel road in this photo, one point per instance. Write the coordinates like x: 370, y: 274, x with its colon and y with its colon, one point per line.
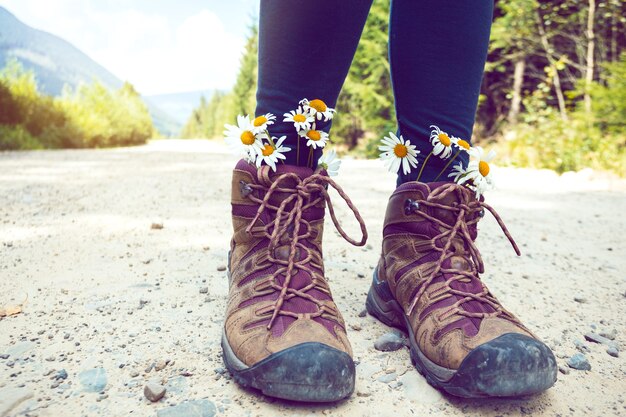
x: 121, y: 255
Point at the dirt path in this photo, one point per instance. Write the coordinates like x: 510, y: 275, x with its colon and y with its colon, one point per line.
x: 108, y: 292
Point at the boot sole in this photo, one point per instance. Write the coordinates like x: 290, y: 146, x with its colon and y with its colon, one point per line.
x: 511, y: 365
x: 308, y: 372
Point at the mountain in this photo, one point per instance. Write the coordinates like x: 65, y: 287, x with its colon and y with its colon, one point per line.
x: 57, y: 62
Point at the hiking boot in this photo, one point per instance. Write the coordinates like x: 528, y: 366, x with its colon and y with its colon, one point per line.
x: 427, y: 283
x: 283, y: 332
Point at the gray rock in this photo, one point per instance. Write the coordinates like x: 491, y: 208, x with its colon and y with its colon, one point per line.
x: 363, y: 313
x: 93, y: 380
x: 195, y: 408
x: 563, y: 370
x: 580, y: 299
x: 177, y: 385
x: 204, y: 290
x: 389, y: 342
x: 387, y: 378
x: 609, y: 334
x: 4, y: 356
x: 62, y: 374
x: 613, y: 351
x: 581, y: 346
x: 11, y: 398
x: 580, y: 362
x: 596, y: 338
x: 153, y: 392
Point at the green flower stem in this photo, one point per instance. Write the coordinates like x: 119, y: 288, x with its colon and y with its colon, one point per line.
x: 423, y: 165
x: 269, y: 138
x: 447, y: 165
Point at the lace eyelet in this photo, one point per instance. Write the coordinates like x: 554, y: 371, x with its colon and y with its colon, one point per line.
x: 245, y: 188
x: 410, y: 206
x: 481, y: 213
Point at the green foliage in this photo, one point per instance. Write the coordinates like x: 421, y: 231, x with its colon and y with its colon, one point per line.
x: 596, y: 140
x: 365, y: 106
x: 93, y: 116
x: 244, y: 91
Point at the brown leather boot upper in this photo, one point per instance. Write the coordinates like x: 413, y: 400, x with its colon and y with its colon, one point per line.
x: 432, y: 267
x: 279, y: 296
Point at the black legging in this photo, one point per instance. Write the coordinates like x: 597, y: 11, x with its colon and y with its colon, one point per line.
x: 437, y: 50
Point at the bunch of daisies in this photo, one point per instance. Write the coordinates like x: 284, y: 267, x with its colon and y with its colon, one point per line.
x: 252, y: 140
x: 396, y: 153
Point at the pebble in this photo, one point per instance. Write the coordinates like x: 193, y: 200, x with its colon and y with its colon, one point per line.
x: 609, y: 334
x: 154, y: 392
x: 580, y: 299
x: 389, y: 342
x: 94, y: 380
x: 204, y: 290
x: 613, y: 351
x: 156, y: 226
x: 387, y: 378
x: 563, y: 370
x: 194, y: 408
x: 221, y: 268
x: 160, y: 365
x: 581, y: 346
x: 363, y: 313
x: 356, y: 327
x: 596, y: 338
x: 579, y: 361
x: 4, y: 356
x: 62, y: 374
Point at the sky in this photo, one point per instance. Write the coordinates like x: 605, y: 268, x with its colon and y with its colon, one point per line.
x: 160, y: 46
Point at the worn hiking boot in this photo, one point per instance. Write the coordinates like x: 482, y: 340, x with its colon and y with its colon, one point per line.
x: 427, y: 283
x: 283, y: 333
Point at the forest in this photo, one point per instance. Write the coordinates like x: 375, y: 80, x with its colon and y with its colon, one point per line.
x: 553, y: 94
x: 92, y: 116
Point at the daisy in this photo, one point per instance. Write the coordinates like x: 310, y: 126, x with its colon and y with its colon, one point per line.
x: 463, y: 145
x: 457, y: 172
x: 300, y: 118
x: 317, y: 108
x: 330, y: 163
x: 397, y: 151
x: 270, y: 154
x: 241, y: 139
x: 316, y: 138
x: 478, y: 171
x: 261, y: 123
x: 442, y: 144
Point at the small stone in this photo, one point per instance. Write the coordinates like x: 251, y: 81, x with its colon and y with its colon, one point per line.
x: 579, y: 361
x: 160, y: 365
x: 195, y: 408
x: 153, y: 392
x: 156, y: 226
x: 581, y: 346
x: 613, y: 351
x: 389, y: 342
x: 221, y: 268
x: 387, y: 378
x: 93, y: 380
x: 204, y: 290
x: 4, y: 356
x: 563, y: 370
x: 596, y: 338
x: 363, y: 313
x: 356, y: 327
x: 609, y: 334
x: 134, y: 374
x: 580, y: 299
x: 360, y: 393
x: 62, y: 374
x: 360, y: 275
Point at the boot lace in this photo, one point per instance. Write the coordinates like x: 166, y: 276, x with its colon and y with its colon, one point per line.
x: 466, y: 215
x: 288, y: 220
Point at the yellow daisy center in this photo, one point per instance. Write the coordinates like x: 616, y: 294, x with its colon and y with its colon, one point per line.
x: 483, y: 168
x: 318, y: 105
x: 400, y: 150
x: 259, y: 121
x: 463, y: 144
x: 444, y: 139
x: 267, y: 150
x: 314, y: 135
x: 247, y: 137
x: 299, y: 118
